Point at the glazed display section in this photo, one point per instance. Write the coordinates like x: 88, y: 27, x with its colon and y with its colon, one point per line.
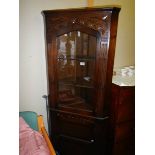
x: 76, y: 62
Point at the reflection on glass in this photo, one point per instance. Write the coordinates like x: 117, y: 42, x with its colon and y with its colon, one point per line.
x: 76, y: 61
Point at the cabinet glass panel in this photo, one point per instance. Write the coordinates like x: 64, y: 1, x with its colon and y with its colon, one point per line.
x: 76, y: 62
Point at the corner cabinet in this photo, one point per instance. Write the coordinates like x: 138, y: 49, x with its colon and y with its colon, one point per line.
x: 80, y: 53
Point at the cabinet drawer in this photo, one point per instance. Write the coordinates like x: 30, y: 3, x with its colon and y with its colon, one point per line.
x: 72, y: 125
x: 124, y: 131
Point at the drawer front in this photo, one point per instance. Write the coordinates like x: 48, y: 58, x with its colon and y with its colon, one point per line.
x: 78, y: 126
x: 76, y: 130
x: 72, y: 125
x: 124, y: 131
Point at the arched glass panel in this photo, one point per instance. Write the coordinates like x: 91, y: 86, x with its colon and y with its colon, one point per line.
x: 76, y: 65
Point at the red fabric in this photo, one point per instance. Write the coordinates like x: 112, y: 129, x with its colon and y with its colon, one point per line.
x: 31, y: 142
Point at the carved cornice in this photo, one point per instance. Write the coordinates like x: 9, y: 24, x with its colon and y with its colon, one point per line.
x: 93, y: 22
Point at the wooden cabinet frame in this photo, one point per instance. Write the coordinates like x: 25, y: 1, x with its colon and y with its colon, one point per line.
x: 93, y: 128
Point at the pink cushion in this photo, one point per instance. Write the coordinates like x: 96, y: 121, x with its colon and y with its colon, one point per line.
x: 31, y: 142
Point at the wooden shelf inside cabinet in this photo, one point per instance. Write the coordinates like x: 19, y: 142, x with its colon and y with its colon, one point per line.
x: 77, y: 58
x: 77, y: 107
x: 83, y: 84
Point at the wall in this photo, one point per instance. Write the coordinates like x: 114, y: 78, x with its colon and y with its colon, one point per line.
x: 32, y: 65
x: 32, y: 68
x: 125, y: 45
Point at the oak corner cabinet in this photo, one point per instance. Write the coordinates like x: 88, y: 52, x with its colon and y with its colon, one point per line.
x: 80, y: 53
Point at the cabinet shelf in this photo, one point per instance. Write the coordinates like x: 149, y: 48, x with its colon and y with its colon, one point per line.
x: 76, y: 84
x: 77, y: 106
x: 78, y: 58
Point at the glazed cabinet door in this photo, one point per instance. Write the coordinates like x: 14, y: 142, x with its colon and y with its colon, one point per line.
x: 78, y: 53
x: 76, y: 58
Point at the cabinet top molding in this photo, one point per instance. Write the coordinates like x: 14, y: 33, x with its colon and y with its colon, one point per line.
x: 100, y: 8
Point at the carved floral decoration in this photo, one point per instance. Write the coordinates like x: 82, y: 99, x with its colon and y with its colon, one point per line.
x: 93, y: 22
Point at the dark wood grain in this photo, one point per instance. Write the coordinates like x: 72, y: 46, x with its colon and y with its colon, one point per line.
x: 123, y: 120
x: 81, y: 129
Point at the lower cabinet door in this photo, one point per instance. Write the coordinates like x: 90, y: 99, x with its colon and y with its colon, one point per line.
x: 75, y: 146
x: 76, y: 135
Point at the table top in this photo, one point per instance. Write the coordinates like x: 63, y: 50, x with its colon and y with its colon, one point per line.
x: 124, y: 76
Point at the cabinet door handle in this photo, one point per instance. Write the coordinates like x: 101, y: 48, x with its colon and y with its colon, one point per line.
x: 92, y: 140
